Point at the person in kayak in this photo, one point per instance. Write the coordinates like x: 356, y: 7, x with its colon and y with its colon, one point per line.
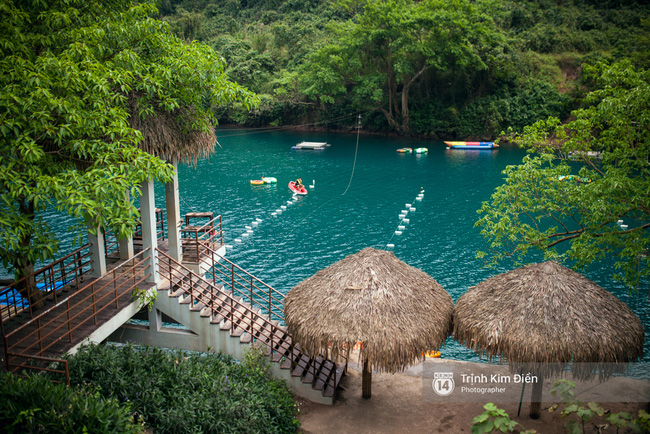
x: 298, y: 184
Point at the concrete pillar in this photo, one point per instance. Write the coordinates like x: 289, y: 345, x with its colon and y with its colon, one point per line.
x: 174, y: 222
x: 126, y: 247
x: 155, y: 320
x: 149, y: 238
x: 126, y: 244
x: 97, y: 251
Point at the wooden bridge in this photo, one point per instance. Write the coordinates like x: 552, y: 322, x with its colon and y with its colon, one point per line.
x: 227, y: 309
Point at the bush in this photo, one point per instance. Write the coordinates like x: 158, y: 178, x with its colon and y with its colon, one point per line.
x: 175, y: 391
x: 35, y: 404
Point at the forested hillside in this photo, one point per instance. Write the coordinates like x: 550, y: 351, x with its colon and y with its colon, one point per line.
x: 437, y: 68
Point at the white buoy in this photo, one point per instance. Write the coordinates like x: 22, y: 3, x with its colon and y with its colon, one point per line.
x: 283, y: 207
x: 401, y: 228
x: 258, y: 220
x: 404, y: 211
x: 406, y: 220
x: 418, y: 198
x: 228, y: 246
x: 398, y: 232
x: 619, y: 221
x: 249, y: 231
x: 274, y: 213
x: 390, y: 246
x: 401, y: 216
x: 412, y: 209
x: 245, y: 234
x: 247, y: 227
x: 313, y: 184
x: 238, y: 240
x: 255, y: 223
x: 623, y: 226
x: 289, y: 202
x: 408, y: 205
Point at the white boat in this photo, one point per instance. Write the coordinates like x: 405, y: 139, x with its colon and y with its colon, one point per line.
x: 311, y: 145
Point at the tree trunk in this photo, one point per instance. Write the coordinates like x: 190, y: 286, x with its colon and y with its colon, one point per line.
x: 536, y: 398
x: 24, y: 267
x: 366, y: 380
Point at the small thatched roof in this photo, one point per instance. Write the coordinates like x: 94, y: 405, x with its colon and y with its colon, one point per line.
x: 543, y: 316
x: 171, y: 136
x: 396, y: 311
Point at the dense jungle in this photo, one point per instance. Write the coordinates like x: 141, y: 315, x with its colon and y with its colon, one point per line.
x: 432, y: 68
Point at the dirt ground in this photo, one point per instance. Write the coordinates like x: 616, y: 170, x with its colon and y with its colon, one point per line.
x: 397, y: 406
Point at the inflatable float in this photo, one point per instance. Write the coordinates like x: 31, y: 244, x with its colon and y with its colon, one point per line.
x: 404, y: 150
x: 296, y: 190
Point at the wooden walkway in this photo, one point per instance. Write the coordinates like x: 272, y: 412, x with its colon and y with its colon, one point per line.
x: 76, y: 314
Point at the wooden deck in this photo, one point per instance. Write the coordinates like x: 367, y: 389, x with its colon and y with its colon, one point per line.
x: 77, y: 312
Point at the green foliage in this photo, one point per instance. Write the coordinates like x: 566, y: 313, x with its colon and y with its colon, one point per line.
x: 35, y: 404
x: 572, y: 407
x: 145, y: 296
x: 73, y: 76
x: 488, y: 65
x: 495, y: 419
x: 174, y: 391
x: 536, y: 209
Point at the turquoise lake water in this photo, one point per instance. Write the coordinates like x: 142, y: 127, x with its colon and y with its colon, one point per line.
x: 355, y: 203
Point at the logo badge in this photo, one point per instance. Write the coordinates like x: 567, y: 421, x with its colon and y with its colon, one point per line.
x: 443, y: 383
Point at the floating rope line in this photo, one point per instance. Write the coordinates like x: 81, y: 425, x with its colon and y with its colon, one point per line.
x: 401, y: 226
x: 356, y: 150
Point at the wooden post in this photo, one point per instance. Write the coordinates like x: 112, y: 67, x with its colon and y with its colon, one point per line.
x: 536, y: 398
x: 366, y: 379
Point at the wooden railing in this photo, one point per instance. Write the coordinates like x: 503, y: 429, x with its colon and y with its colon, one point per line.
x: 34, y: 339
x: 46, y: 282
x: 112, y: 244
x: 241, y: 283
x: 198, y: 241
x: 241, y: 316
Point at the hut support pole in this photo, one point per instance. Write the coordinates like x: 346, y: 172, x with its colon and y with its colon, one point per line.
x: 149, y: 237
x: 97, y: 252
x: 536, y: 398
x: 366, y: 380
x: 174, y: 221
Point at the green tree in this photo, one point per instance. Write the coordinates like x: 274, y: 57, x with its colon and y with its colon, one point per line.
x: 74, y: 76
x: 582, y: 191
x: 389, y: 47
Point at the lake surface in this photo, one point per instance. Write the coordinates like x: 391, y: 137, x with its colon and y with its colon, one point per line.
x: 360, y: 188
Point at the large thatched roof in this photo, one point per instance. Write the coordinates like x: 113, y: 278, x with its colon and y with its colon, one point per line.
x: 542, y: 316
x: 170, y: 136
x: 396, y: 311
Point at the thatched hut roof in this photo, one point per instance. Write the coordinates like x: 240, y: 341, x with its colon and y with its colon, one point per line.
x: 171, y: 135
x: 396, y: 311
x: 543, y: 316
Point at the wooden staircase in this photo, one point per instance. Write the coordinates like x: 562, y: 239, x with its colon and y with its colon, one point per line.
x: 237, y: 317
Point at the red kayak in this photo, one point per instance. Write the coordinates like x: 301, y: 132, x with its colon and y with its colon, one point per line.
x: 302, y: 190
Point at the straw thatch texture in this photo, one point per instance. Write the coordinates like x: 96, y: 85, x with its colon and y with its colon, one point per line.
x: 396, y: 311
x: 170, y: 136
x: 543, y: 316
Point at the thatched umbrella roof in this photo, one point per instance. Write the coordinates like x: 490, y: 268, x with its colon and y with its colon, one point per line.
x: 396, y: 311
x: 542, y: 316
x: 171, y: 135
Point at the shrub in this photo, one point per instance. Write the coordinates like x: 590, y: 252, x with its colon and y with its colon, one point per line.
x: 35, y: 404
x: 174, y: 391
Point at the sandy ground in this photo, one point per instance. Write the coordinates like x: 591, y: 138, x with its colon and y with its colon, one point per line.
x: 397, y: 406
